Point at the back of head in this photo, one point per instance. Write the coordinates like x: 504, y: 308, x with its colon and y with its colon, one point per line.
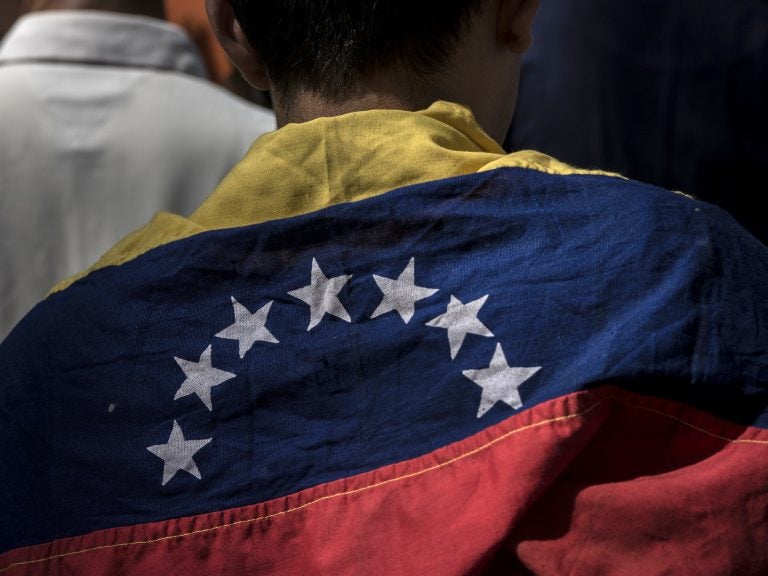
x: 328, y: 46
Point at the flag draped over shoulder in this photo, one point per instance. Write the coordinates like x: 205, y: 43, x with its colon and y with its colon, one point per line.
x: 507, y: 370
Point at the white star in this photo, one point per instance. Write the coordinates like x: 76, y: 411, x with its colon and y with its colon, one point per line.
x: 500, y: 382
x: 201, y: 377
x: 401, y: 294
x: 461, y: 319
x: 321, y: 296
x: 248, y: 328
x: 177, y: 454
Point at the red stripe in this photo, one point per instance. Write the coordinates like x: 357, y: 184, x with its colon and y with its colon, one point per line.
x: 600, y: 482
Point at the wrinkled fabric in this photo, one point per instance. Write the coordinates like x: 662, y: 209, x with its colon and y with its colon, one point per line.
x: 516, y: 368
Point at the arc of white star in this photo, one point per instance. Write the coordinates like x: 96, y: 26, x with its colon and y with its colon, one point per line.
x: 459, y: 320
x: 201, y: 377
x: 177, y: 454
x: 500, y: 382
x: 321, y: 296
x: 402, y: 294
x: 248, y: 328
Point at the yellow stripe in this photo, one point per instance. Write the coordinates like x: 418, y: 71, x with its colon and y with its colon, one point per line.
x: 302, y: 168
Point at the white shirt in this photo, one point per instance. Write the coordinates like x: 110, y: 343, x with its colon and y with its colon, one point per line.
x: 105, y: 119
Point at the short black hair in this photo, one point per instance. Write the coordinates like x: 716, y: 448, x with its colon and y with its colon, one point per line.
x: 327, y: 46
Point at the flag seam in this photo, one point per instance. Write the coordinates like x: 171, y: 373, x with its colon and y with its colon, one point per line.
x: 385, y: 482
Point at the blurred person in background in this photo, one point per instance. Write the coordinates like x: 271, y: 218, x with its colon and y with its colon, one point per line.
x: 672, y: 93
x: 107, y: 118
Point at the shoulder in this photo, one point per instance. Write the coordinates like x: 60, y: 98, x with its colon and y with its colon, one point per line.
x: 609, y: 199
x: 586, y: 221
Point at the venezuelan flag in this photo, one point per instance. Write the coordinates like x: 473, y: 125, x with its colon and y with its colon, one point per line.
x: 384, y: 347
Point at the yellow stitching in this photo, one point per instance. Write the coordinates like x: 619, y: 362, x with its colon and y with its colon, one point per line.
x: 379, y: 484
x: 691, y: 426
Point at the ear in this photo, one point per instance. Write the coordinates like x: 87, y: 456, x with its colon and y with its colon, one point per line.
x: 232, y: 38
x: 515, y: 23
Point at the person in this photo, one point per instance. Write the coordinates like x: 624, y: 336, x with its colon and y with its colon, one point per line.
x: 671, y: 93
x: 384, y: 346
x: 107, y: 118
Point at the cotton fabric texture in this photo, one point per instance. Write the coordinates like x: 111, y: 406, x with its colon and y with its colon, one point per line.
x: 383, y: 346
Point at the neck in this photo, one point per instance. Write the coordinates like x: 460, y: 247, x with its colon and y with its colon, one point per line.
x: 151, y: 8
x: 491, y: 101
x: 306, y: 106
x: 309, y: 105
x: 386, y: 89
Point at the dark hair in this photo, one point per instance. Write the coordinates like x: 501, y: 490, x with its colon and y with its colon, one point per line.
x: 327, y: 46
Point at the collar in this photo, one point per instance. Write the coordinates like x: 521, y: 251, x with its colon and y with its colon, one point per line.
x: 100, y: 38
